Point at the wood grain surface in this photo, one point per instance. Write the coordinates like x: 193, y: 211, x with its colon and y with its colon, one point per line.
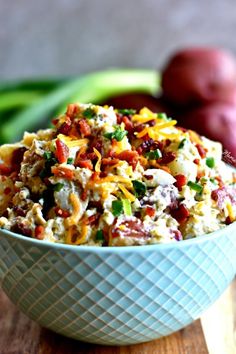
x: 19, y: 335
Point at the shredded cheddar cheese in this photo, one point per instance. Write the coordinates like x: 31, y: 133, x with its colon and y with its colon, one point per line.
x: 74, y: 218
x: 127, y: 194
x: 70, y: 142
x: 72, y: 238
x: 98, y: 163
x: 157, y: 130
x: 230, y: 212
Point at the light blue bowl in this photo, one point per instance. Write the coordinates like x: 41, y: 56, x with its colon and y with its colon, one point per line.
x: 120, y: 295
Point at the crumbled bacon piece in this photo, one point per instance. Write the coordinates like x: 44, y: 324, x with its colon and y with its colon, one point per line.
x: 84, y: 164
x: 151, y: 123
x: 5, y: 170
x: 149, y: 145
x: 103, y: 174
x: 84, y: 195
x: 119, y: 118
x: 138, y: 128
x: 228, y: 221
x: 17, y: 158
x: 201, y: 150
x: 150, y: 211
x: 129, y: 126
x: 39, y: 232
x: 95, y: 143
x: 107, y: 161
x: 200, y: 174
x: 7, y: 190
x: 55, y: 121
x: 196, y: 161
x: 91, y: 156
x: 63, y: 172
x: 61, y: 212
x: 94, y: 176
x: 93, y: 219
x: 62, y: 151
x: 167, y: 158
x: 181, y: 214
x: 219, y: 180
x: 83, y: 128
x: 148, y: 177
x: 146, y: 137
x: 21, y: 228
x: 65, y: 128
x: 72, y: 110
x: 19, y: 211
x: 145, y: 146
x: 131, y: 157
x: 181, y: 181
x: 167, y: 142
x: 111, y: 153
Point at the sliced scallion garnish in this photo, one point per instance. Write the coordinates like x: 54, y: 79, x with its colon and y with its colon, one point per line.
x: 195, y: 186
x: 127, y: 207
x: 117, y: 207
x: 154, y: 154
x: 210, y: 162
x: 140, y: 188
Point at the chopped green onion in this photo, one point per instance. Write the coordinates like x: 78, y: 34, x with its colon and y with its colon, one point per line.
x: 118, y: 134
x: 213, y: 180
x: 204, y: 180
x: 195, y: 186
x: 140, y: 188
x: 58, y: 186
x: 99, y: 236
x: 50, y: 161
x: 210, y: 162
x: 154, y: 154
x: 127, y: 207
x: 89, y: 113
x: 117, y: 207
x: 126, y: 112
x: 70, y: 160
x: 47, y: 155
x: 181, y: 144
x: 163, y: 116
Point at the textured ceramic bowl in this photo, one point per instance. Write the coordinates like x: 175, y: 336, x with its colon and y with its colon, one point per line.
x: 116, y: 296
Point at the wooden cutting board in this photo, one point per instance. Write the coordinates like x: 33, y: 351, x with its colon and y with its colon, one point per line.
x: 19, y: 335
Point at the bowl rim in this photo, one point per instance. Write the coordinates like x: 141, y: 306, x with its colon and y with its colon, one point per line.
x: 229, y: 229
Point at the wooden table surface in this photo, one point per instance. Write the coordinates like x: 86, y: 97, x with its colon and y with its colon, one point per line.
x: 214, y: 334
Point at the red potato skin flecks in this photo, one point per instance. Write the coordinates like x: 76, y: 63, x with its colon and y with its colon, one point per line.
x: 133, y: 228
x: 198, y: 76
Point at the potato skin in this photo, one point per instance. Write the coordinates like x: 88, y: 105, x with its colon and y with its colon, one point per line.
x: 199, y: 76
x: 216, y: 121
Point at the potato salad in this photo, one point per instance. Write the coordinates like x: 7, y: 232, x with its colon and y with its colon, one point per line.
x: 110, y: 177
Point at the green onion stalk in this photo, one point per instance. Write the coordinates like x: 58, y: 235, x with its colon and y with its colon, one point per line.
x: 91, y: 88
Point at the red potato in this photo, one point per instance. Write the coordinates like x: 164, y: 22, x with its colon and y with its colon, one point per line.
x: 198, y: 76
x: 217, y: 121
